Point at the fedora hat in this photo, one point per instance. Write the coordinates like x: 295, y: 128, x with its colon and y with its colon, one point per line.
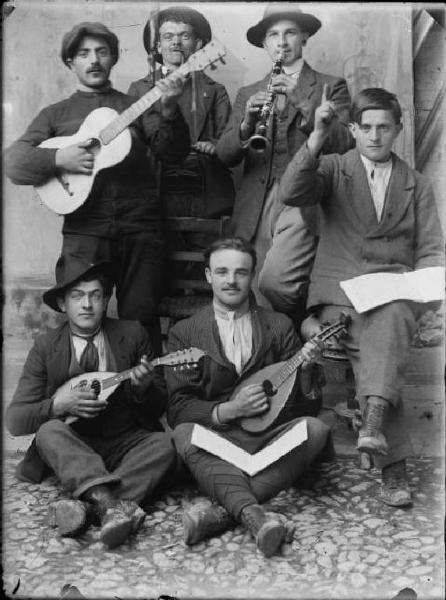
x: 69, y: 269
x: 183, y: 14
x: 275, y: 11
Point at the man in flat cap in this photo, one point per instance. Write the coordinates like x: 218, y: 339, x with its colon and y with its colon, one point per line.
x: 120, y: 219
x: 283, y: 239
x: 201, y: 185
x: 109, y: 455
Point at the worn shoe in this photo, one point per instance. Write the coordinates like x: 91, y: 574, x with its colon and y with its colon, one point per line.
x: 371, y: 438
x: 135, y: 512
x: 69, y: 516
x: 117, y: 525
x: 395, y: 489
x: 268, y: 533
x: 202, y: 520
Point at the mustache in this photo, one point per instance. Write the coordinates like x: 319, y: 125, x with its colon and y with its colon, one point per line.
x: 231, y: 287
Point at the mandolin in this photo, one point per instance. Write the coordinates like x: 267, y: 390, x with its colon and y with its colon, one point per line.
x: 108, y: 138
x: 278, y: 379
x: 104, y: 383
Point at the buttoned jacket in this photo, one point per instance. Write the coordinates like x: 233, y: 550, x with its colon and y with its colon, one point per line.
x: 352, y: 241
x: 206, y: 123
x: 292, y: 129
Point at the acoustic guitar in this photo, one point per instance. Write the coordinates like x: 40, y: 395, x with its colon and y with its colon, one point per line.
x: 104, y: 383
x: 108, y: 138
x: 278, y: 379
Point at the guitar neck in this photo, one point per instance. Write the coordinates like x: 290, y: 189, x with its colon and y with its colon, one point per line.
x: 118, y: 125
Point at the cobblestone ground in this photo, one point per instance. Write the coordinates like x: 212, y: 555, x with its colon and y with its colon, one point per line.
x: 347, y: 545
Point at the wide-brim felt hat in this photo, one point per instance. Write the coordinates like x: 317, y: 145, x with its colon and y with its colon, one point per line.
x: 287, y: 10
x: 185, y: 14
x: 69, y: 269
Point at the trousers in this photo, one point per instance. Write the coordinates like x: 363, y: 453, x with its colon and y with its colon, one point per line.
x: 234, y: 489
x: 134, y: 462
x: 377, y: 345
x: 138, y: 260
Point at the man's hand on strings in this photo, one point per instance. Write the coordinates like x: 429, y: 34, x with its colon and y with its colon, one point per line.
x: 142, y: 374
x: 76, y: 158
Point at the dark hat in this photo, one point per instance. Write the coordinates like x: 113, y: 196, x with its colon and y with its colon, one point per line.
x: 69, y: 270
x: 273, y: 12
x: 72, y: 39
x: 178, y: 14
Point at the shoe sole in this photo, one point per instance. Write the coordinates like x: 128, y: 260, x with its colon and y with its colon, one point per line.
x: 115, y: 534
x: 70, y: 517
x: 270, y: 538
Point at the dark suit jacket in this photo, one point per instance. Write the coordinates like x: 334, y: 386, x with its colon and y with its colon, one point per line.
x: 46, y: 369
x: 259, y: 170
x: 352, y: 241
x: 207, y: 123
x: 194, y: 394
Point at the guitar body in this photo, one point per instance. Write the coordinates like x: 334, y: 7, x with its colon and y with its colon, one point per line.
x: 277, y: 402
x: 68, y: 191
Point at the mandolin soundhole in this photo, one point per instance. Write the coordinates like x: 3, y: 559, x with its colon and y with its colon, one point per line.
x: 96, y: 386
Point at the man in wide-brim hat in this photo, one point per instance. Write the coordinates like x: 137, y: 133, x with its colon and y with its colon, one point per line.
x: 109, y: 455
x: 199, y: 186
x: 283, y: 240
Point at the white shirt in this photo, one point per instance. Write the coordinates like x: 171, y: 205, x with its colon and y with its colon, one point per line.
x: 79, y: 344
x: 235, y: 329
x: 378, y: 175
x: 295, y: 69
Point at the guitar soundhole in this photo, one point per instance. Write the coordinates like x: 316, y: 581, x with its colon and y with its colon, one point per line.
x: 268, y: 388
x: 96, y: 386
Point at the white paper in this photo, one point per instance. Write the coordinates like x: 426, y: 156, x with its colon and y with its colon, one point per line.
x: 249, y: 463
x: 375, y: 289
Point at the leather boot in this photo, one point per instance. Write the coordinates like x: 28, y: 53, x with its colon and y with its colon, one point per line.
x: 69, y: 516
x: 116, y: 523
x: 371, y: 438
x: 268, y: 532
x: 395, y: 489
x: 202, y: 520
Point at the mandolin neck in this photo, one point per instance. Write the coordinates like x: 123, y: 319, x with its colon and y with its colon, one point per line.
x: 287, y: 369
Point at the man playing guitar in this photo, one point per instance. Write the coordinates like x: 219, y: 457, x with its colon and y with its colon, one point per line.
x: 120, y: 219
x: 109, y: 455
x: 239, y: 338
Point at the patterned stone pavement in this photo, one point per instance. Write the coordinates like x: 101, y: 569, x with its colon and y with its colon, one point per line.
x: 347, y: 545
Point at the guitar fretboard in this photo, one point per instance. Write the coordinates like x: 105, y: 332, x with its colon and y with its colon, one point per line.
x: 121, y: 122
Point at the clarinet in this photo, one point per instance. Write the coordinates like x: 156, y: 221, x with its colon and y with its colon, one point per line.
x: 259, y: 140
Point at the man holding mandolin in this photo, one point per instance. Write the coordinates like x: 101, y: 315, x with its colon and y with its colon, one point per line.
x: 240, y: 339
x: 109, y: 453
x: 120, y: 218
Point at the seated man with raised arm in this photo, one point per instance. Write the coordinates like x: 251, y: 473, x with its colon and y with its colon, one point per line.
x: 376, y: 215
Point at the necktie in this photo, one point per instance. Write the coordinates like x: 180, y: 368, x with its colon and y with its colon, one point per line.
x: 89, y: 360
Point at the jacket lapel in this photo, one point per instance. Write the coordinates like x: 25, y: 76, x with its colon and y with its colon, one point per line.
x: 307, y: 97
x: 357, y: 190
x: 118, y: 345
x: 261, y: 339
x: 398, y: 196
x: 205, y: 92
x: 59, y: 359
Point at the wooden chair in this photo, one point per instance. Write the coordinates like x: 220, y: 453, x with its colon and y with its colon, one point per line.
x: 188, y: 293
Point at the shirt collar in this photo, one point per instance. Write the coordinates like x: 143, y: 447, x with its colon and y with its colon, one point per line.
x: 370, y: 165
x: 89, y: 336
x: 295, y: 69
x: 225, y: 314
